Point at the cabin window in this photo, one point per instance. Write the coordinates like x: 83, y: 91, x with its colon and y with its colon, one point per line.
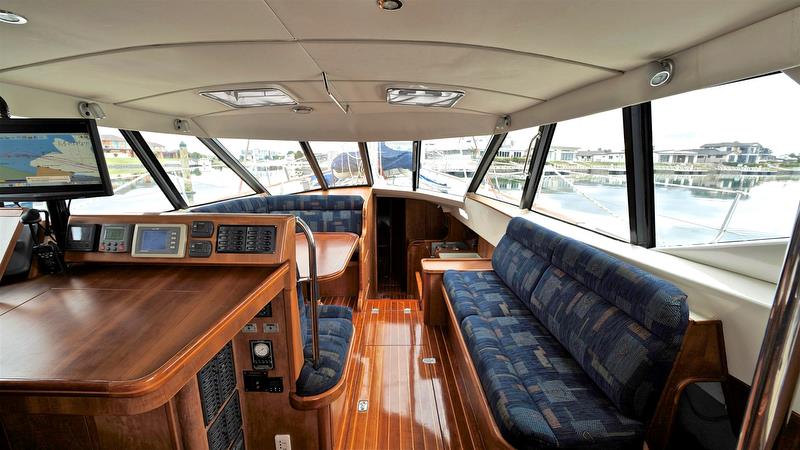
x: 584, y: 179
x: 280, y: 166
x: 448, y: 165
x: 505, y: 178
x: 392, y: 162
x: 198, y: 174
x: 134, y: 188
x: 728, y: 162
x: 340, y: 163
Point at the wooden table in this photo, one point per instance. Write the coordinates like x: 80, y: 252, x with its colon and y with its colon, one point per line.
x: 334, y: 251
x: 121, y: 339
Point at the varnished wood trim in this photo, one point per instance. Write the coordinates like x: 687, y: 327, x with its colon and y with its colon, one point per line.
x: 334, y: 252
x: 490, y: 433
x: 5, y: 257
x: 326, y: 398
x: 701, y: 358
x: 437, y: 265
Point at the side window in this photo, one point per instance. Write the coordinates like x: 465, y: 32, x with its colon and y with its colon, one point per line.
x: 448, y: 165
x: 134, y: 188
x: 340, y: 163
x: 584, y: 179
x: 391, y: 162
x: 727, y: 162
x: 280, y: 166
x: 505, y: 178
x: 198, y: 174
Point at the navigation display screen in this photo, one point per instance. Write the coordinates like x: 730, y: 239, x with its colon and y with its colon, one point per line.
x: 51, y: 159
x: 154, y: 240
x: 114, y: 234
x: 42, y: 159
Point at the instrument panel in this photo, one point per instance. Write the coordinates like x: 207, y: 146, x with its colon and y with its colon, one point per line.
x: 249, y: 239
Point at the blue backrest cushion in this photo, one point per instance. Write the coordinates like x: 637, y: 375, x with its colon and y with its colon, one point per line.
x: 623, y: 325
x: 252, y: 204
x: 523, y: 254
x: 322, y: 212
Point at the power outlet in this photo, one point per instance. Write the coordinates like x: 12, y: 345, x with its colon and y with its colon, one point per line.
x: 283, y: 442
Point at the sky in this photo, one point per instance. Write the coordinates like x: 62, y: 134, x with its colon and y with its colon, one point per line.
x: 760, y: 110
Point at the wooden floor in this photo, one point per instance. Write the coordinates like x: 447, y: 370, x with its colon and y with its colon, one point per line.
x: 412, y: 404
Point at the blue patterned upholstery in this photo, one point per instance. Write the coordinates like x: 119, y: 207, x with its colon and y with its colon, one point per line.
x: 539, y: 396
x: 624, y: 326
x: 481, y: 294
x: 572, y: 346
x: 335, y: 335
x: 320, y: 212
x: 523, y: 254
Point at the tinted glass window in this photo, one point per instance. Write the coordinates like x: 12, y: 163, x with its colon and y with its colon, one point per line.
x: 505, y: 178
x: 198, y: 174
x: 280, y: 166
x: 584, y: 178
x: 134, y: 188
x: 727, y: 162
x: 391, y: 162
x: 448, y: 165
x: 340, y: 163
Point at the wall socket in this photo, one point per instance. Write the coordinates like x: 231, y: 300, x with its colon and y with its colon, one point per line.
x: 283, y: 442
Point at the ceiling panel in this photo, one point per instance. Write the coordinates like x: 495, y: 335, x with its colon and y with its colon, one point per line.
x: 619, y: 34
x: 509, y: 72
x: 128, y: 75
x: 58, y: 29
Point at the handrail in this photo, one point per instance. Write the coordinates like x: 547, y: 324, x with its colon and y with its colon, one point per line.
x: 313, y: 288
x: 778, y: 363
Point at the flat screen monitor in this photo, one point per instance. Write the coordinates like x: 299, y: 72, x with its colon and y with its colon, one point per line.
x: 51, y: 159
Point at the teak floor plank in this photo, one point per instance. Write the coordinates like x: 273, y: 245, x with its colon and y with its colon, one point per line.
x: 412, y: 405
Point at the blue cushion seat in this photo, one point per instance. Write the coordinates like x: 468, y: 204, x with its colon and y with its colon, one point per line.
x: 335, y: 335
x: 538, y: 394
x: 572, y: 346
x: 320, y: 212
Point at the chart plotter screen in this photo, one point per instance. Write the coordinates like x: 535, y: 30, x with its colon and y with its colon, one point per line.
x: 47, y: 159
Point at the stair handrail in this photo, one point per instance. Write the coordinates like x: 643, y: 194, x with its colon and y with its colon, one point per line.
x: 313, y: 288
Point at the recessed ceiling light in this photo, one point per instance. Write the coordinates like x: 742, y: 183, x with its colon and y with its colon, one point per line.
x: 423, y: 97
x: 10, y: 17
x: 390, y: 5
x: 251, y: 98
x: 302, y: 110
x: 663, y: 73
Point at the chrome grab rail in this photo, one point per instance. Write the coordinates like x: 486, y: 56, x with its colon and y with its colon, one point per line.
x: 313, y: 288
x: 778, y: 364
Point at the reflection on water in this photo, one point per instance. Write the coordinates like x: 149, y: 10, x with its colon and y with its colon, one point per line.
x: 690, y: 209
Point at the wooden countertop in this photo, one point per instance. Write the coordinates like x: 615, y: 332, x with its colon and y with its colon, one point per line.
x: 121, y: 332
x: 438, y: 265
x: 334, y: 250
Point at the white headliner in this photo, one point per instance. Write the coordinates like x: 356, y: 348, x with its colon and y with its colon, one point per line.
x: 536, y: 60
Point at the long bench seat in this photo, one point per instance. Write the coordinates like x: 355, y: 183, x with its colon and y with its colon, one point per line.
x: 572, y: 346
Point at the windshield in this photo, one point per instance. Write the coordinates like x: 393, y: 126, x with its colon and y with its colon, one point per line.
x: 448, y: 165
x: 340, y: 163
x: 280, y: 166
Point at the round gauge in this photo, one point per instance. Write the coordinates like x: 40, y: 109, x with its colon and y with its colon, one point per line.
x: 261, y: 350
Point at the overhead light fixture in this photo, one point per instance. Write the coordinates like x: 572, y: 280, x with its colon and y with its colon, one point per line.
x: 10, y: 17
x: 390, y: 5
x: 302, y: 109
x: 423, y: 97
x: 663, y: 73
x: 251, y: 98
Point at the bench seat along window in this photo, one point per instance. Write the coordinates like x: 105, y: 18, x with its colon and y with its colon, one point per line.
x: 391, y: 162
x: 200, y: 176
x: 448, y: 165
x: 727, y: 162
x: 134, y: 188
x: 584, y: 180
x: 280, y: 166
x: 340, y: 163
x: 505, y: 178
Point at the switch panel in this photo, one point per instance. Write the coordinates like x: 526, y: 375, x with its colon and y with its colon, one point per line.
x: 260, y: 382
x: 201, y: 229
x: 200, y: 249
x: 261, y: 354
